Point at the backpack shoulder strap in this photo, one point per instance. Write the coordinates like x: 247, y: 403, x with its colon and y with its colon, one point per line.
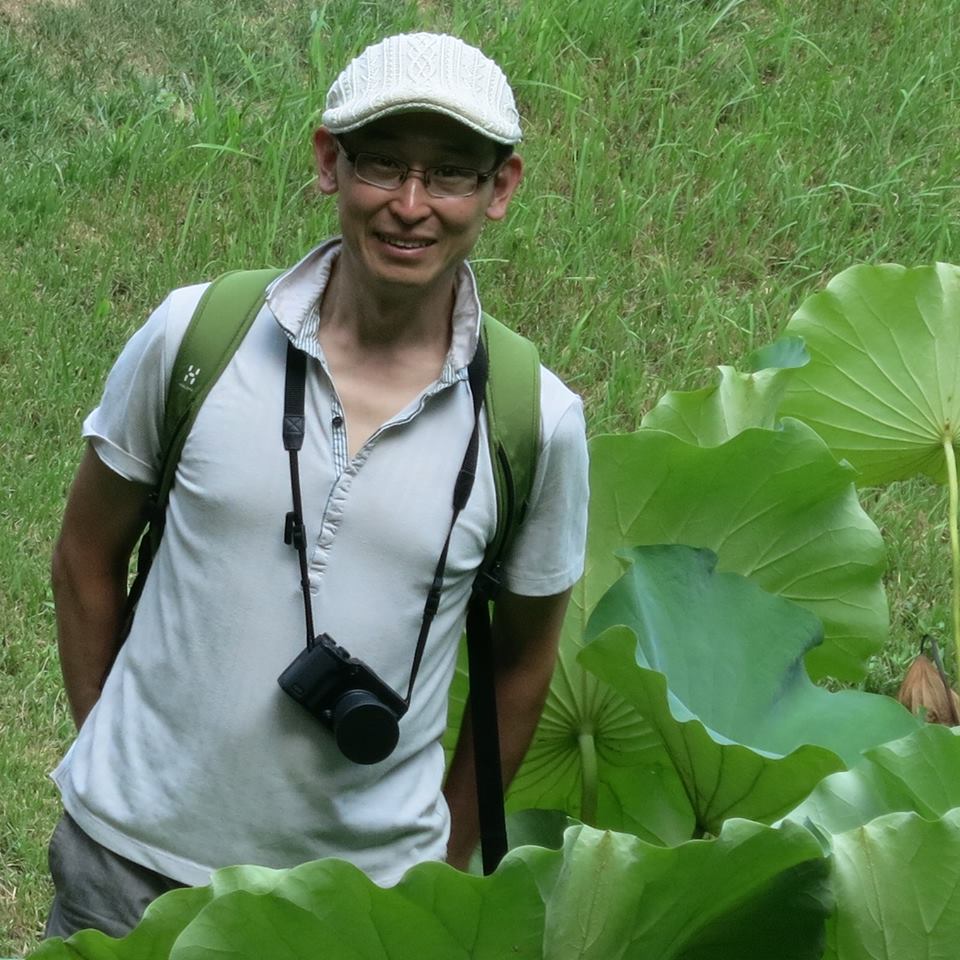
x: 513, y: 421
x: 221, y: 320
x: 512, y: 402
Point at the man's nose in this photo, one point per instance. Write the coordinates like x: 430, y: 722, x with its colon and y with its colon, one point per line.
x: 411, y: 197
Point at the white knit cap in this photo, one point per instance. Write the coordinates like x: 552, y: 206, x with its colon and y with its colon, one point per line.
x: 424, y: 71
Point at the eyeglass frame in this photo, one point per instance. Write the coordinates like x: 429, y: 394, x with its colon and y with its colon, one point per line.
x: 424, y: 173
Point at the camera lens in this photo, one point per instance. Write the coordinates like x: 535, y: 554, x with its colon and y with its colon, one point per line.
x: 366, y: 730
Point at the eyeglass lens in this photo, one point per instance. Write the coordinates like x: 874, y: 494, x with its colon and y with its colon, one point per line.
x: 442, y: 181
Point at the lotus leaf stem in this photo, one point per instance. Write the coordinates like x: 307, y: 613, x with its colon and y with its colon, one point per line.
x: 590, y: 778
x: 951, y: 456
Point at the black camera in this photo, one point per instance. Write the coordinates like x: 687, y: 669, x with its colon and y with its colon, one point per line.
x: 345, y: 695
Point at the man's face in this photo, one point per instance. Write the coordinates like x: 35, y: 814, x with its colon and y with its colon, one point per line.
x: 405, y: 239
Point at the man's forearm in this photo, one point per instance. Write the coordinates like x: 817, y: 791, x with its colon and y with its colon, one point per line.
x: 526, y: 631
x: 104, y: 517
x: 518, y: 713
x: 89, y: 610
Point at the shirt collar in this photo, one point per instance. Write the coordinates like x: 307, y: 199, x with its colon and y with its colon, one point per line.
x: 294, y: 298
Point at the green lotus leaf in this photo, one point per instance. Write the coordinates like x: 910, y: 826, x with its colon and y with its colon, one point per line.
x: 152, y: 939
x: 751, y: 892
x: 438, y: 916
x: 919, y: 773
x: 883, y: 383
x: 897, y: 886
x: 774, y: 505
x: 716, y: 665
x: 593, y: 756
x: 248, y: 926
x: 540, y: 828
x: 58, y: 949
x: 434, y: 911
x: 163, y: 921
x: 253, y: 912
x: 787, y: 352
x: 713, y: 415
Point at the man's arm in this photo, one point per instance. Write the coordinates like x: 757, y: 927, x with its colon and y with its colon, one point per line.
x: 526, y: 631
x: 103, y: 518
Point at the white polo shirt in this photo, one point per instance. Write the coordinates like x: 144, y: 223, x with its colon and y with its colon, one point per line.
x: 194, y: 758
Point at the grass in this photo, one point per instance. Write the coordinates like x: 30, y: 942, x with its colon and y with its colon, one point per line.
x: 694, y: 171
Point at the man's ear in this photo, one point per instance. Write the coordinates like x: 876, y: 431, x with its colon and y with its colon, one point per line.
x: 505, y: 182
x: 325, y: 152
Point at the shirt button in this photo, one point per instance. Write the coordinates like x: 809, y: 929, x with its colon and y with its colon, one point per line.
x: 337, y: 422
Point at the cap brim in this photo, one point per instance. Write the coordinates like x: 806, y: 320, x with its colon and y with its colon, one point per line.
x: 419, y: 106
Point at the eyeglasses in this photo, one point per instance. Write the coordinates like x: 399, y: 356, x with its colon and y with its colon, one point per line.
x: 441, y: 181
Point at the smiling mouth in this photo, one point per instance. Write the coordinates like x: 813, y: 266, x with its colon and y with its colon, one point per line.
x: 402, y: 244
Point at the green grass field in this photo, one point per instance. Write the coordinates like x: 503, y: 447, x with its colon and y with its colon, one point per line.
x: 695, y: 169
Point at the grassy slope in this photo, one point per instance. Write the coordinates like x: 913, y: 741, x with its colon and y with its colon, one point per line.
x: 694, y: 170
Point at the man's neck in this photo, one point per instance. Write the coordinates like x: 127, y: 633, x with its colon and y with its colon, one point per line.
x: 385, y: 320
x: 381, y: 352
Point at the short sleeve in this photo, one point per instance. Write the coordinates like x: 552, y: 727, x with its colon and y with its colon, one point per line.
x: 547, y: 554
x: 126, y: 427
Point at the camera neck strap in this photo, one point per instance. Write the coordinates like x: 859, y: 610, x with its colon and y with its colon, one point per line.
x: 294, y: 528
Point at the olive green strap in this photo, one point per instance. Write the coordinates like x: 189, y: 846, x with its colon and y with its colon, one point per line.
x: 513, y: 419
x: 221, y: 320
x: 512, y: 401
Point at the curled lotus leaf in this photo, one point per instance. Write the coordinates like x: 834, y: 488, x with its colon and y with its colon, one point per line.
x: 774, y: 505
x: 737, y: 402
x: 715, y: 664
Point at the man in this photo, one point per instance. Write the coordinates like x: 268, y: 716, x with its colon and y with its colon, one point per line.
x: 192, y: 757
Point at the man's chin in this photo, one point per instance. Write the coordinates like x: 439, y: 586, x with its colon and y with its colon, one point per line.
x: 410, y: 277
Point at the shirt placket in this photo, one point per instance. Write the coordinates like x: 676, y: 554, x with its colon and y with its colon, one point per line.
x: 346, y: 468
x: 338, y: 434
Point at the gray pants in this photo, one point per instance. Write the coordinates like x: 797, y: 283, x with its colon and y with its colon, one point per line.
x: 96, y: 887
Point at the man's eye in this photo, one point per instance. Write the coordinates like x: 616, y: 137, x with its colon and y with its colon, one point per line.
x: 384, y: 165
x: 452, y: 173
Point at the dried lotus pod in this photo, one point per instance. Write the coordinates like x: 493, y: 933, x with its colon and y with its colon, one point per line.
x: 924, y: 687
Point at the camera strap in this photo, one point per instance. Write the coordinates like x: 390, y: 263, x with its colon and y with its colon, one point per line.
x: 294, y: 531
x: 294, y: 528
x: 477, y: 378
x: 483, y: 703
